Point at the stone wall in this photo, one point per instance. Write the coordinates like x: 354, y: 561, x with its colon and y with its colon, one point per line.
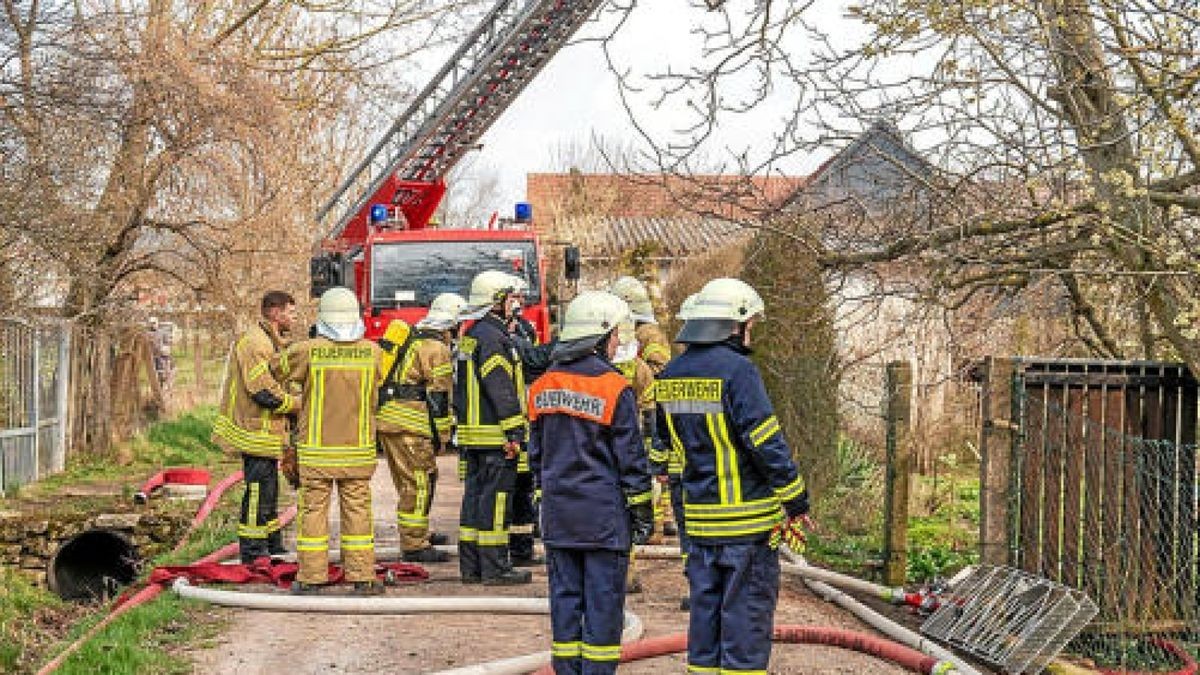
x: 29, y: 539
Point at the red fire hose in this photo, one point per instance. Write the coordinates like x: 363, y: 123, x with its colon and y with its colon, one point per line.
x: 151, y: 591
x: 880, y: 648
x: 176, y: 475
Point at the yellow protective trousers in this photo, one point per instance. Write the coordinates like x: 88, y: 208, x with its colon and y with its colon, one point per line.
x: 357, y: 529
x: 411, y: 461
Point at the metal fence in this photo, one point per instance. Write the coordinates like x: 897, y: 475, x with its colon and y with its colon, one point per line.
x: 33, y: 400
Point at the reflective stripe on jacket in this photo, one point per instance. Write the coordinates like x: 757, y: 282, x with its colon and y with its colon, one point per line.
x: 585, y: 450
x: 487, y: 386
x: 243, y: 426
x: 738, y: 468
x: 426, y: 365
x: 339, y: 381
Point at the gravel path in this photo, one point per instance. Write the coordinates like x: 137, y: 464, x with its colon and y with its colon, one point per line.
x: 293, y: 644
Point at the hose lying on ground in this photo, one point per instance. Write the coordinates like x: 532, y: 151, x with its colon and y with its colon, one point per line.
x: 279, y: 602
x: 178, y: 475
x: 880, y: 648
x: 874, y: 619
x: 150, y: 592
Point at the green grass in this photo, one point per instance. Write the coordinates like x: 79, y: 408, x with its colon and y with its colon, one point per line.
x: 35, y: 625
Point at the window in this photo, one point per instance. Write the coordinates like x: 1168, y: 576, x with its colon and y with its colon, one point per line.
x: 412, y: 274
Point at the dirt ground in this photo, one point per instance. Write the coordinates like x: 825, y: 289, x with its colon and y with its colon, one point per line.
x: 278, y: 643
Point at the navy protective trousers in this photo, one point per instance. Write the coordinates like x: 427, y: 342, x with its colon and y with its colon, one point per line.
x: 675, y: 483
x: 734, y: 588
x: 587, y: 609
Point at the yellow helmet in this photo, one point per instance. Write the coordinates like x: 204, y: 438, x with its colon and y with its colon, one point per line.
x: 718, y: 309
x: 634, y: 293
x: 338, y: 315
x: 444, y: 312
x: 487, y: 289
x: 594, y: 314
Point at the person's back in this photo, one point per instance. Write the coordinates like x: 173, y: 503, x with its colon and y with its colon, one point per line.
x: 586, y: 453
x: 339, y: 374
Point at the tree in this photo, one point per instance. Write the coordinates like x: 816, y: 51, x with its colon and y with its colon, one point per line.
x: 1063, y: 131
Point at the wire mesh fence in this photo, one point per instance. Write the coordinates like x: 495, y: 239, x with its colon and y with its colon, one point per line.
x: 33, y: 400
x: 1105, y: 500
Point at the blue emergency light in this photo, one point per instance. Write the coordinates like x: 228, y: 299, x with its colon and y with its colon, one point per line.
x: 524, y: 212
x: 379, y: 213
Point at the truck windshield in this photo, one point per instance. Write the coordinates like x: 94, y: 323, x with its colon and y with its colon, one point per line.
x: 412, y: 274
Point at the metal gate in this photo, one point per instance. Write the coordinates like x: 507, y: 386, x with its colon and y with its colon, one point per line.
x: 33, y: 400
x: 1104, y: 493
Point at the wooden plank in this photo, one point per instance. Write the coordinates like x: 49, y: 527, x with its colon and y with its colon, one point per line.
x: 1189, y: 562
x: 1131, y: 508
x: 1093, y: 557
x: 1167, y: 535
x: 1032, y: 453
x: 1114, y: 484
x: 1150, y: 472
x: 1122, y: 379
x: 1053, y: 477
x: 1074, y: 485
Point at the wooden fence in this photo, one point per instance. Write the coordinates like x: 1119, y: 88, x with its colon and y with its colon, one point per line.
x: 1089, y: 479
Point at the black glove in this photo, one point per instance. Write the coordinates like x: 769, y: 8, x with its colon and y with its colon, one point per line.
x: 641, y: 518
x: 798, y: 506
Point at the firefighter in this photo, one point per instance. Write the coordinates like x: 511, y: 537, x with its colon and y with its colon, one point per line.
x: 338, y: 373
x: 253, y: 423
x: 654, y: 349
x: 637, y: 372
x: 653, y: 346
x: 490, y: 431
x: 414, y: 418
x: 587, y: 456
x: 742, y: 492
x: 533, y: 359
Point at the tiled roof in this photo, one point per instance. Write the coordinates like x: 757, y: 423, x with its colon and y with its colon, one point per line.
x: 672, y: 237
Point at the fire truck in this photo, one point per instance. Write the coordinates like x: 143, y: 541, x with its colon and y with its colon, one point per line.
x: 380, y: 242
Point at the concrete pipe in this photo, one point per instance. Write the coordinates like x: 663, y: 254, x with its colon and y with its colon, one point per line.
x: 92, y: 565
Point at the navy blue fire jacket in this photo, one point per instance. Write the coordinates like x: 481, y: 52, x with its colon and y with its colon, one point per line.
x: 738, y: 471
x: 586, y: 452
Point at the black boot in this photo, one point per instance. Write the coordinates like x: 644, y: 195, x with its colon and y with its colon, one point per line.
x: 368, y: 588
x: 438, y: 539
x: 509, y: 578
x: 428, y: 554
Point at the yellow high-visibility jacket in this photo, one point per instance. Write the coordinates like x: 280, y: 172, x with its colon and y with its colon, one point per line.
x: 339, y: 382
x: 422, y: 382
x: 254, y: 405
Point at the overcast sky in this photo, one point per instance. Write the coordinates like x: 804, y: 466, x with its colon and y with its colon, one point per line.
x: 575, y: 97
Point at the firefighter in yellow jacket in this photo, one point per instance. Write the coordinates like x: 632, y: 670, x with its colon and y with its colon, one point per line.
x: 339, y: 375
x: 654, y: 349
x: 415, y: 421
x: 253, y: 423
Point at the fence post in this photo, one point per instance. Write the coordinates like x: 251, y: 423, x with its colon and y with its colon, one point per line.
x: 35, y: 415
x: 899, y: 469
x: 63, y: 395
x: 995, y: 465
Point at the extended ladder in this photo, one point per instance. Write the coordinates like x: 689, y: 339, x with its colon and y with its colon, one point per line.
x: 495, y: 63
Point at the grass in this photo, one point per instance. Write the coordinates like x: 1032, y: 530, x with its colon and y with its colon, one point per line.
x: 35, y: 625
x: 943, y: 523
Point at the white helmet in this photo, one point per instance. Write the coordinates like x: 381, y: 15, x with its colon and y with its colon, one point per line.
x: 444, y: 312
x: 338, y: 316
x: 718, y: 309
x: 634, y: 293
x: 488, y: 288
x: 594, y: 314
x: 685, y: 309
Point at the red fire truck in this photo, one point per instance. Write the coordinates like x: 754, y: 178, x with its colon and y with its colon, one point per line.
x: 379, y: 240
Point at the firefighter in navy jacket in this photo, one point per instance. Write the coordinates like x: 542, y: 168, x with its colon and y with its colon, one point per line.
x: 742, y: 492
x: 491, y: 428
x: 588, y: 459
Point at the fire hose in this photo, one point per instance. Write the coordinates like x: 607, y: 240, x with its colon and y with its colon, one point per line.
x: 396, y: 605
x: 880, y: 648
x: 151, y: 591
